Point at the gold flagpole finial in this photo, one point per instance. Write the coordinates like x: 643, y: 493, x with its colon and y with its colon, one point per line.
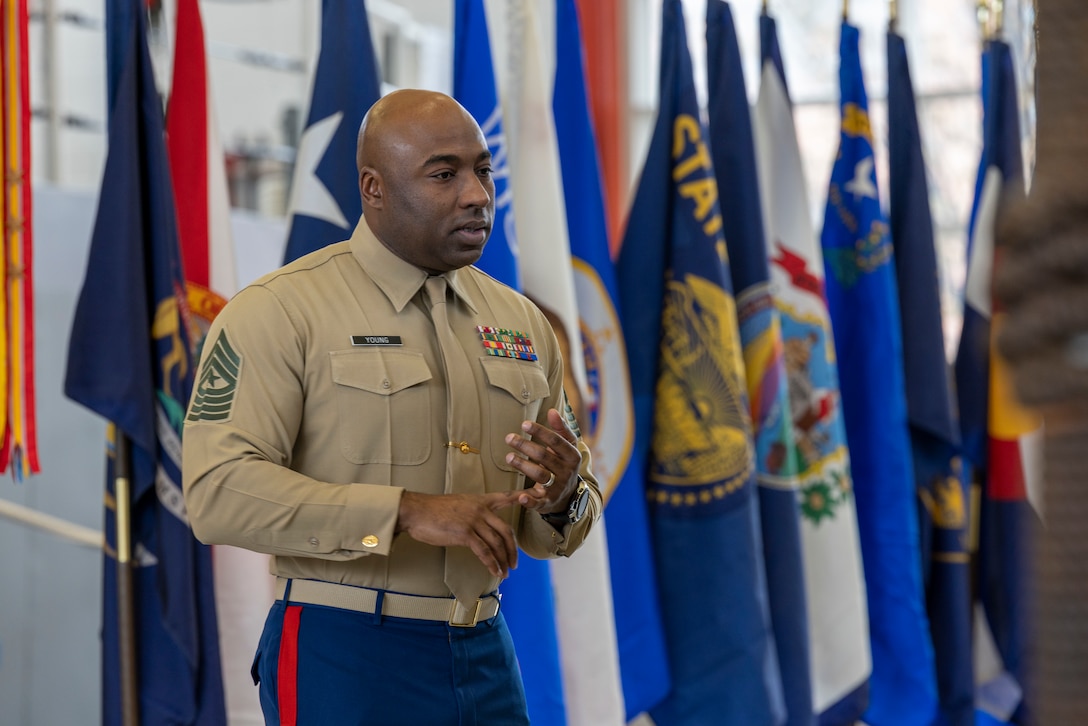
x: 982, y: 12
x: 999, y: 18
x: 893, y: 14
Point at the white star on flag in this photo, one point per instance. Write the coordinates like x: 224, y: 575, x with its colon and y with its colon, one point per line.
x: 309, y: 195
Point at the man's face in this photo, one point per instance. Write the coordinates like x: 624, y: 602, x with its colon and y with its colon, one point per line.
x: 440, y: 197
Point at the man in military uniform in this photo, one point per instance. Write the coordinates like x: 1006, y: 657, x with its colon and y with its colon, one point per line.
x: 389, y: 424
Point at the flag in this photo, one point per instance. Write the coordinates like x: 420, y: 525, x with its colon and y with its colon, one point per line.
x: 693, y: 428
x: 243, y: 587
x: 864, y: 306
x: 583, y: 605
x: 834, y: 588
x: 934, y: 430
x: 608, y: 423
x: 474, y: 88
x: 733, y: 153
x: 325, y: 204
x: 18, y: 417
x: 529, y: 605
x: 1000, y: 438
x: 129, y: 361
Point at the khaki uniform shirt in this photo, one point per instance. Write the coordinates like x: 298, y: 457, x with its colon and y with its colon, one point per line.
x: 299, y: 440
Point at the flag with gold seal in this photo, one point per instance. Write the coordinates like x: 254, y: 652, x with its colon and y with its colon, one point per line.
x: 693, y: 430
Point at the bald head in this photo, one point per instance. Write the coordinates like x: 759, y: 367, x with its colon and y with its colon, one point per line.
x: 425, y: 179
x: 397, y: 112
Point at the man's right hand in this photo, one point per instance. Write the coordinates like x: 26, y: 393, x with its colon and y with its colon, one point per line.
x: 466, y: 520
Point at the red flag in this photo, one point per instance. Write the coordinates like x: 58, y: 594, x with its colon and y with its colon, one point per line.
x: 243, y: 587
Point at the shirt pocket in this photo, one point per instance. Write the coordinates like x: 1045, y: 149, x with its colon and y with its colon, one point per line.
x: 515, y: 392
x: 383, y: 405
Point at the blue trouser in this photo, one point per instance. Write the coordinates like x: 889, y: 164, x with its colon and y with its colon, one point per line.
x: 320, y: 665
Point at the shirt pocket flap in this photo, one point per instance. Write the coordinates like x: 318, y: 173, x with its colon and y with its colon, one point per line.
x: 523, y: 381
x: 381, y: 372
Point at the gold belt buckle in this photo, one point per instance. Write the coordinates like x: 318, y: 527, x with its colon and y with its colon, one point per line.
x: 475, y: 615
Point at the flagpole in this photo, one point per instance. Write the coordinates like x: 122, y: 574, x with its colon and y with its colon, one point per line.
x: 126, y: 616
x: 893, y: 15
x: 846, y: 11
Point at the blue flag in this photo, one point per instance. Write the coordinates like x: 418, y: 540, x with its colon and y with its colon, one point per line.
x: 693, y: 429
x: 474, y: 88
x: 325, y: 204
x: 997, y: 433
x: 608, y: 426
x: 733, y: 151
x: 129, y: 361
x: 528, y: 599
x: 862, y: 298
x: 934, y: 430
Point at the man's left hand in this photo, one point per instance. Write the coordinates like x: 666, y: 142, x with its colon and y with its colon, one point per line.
x: 550, y: 451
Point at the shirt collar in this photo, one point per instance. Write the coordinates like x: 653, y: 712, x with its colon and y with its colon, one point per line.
x: 398, y: 279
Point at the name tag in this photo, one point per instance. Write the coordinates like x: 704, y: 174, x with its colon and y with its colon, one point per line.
x: 364, y: 340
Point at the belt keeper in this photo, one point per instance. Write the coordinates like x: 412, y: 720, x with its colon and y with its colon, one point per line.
x: 379, y: 616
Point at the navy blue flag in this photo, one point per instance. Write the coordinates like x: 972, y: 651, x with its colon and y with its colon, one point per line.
x: 999, y: 436
x: 529, y: 604
x: 934, y: 429
x: 692, y: 426
x: 129, y: 361
x: 733, y: 152
x: 325, y: 204
x: 862, y: 298
x: 474, y: 88
x: 608, y: 425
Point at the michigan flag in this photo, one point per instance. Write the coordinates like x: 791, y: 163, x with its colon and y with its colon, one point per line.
x: 325, y: 205
x: 607, y: 416
x: 934, y: 430
x: 733, y: 152
x: 834, y: 585
x: 1000, y: 438
x: 693, y: 428
x: 129, y: 361
x: 862, y: 299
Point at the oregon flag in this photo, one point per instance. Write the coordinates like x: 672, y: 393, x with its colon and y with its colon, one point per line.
x: 693, y: 429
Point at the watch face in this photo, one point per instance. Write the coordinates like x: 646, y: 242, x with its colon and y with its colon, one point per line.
x: 581, y: 501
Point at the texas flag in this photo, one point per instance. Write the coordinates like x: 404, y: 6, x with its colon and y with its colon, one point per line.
x: 325, y: 204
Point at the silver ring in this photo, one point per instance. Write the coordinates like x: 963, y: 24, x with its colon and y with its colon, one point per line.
x: 551, y: 480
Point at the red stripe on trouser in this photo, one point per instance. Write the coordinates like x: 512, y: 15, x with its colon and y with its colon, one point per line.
x: 287, y: 668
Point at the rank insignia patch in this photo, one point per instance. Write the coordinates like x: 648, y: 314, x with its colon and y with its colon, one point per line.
x: 506, y: 343
x: 218, y: 382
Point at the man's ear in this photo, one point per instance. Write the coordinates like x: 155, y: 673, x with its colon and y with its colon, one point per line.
x: 371, y: 189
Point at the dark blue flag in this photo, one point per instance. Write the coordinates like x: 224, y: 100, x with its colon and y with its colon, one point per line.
x: 474, y: 88
x: 129, y: 361
x: 325, y: 204
x: 999, y: 437
x: 733, y: 151
x: 692, y: 426
x: 862, y: 298
x: 529, y: 604
x: 608, y: 426
x: 934, y: 430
